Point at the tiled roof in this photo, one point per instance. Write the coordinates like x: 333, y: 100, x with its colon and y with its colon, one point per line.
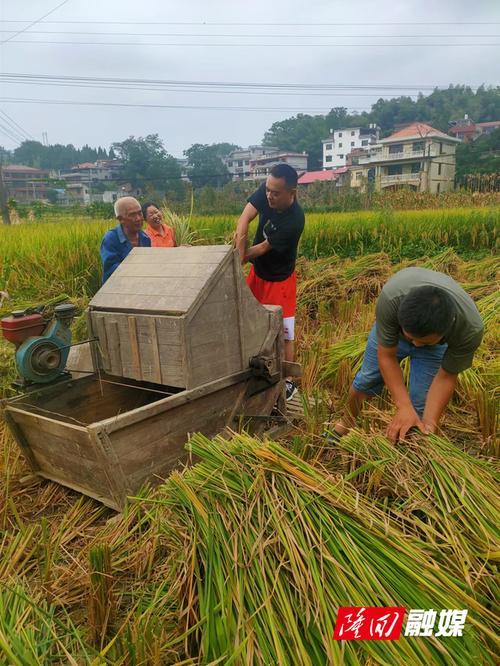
x: 415, y: 131
x: 20, y: 167
x: 491, y: 123
x: 312, y: 176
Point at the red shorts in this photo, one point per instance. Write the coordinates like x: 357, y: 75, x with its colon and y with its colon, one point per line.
x: 282, y: 293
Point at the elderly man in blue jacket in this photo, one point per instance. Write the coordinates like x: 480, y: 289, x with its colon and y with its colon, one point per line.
x: 118, y: 242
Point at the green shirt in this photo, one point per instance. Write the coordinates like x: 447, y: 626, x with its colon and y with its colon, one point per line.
x: 466, y: 329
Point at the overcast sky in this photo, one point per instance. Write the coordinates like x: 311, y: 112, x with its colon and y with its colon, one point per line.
x: 354, y: 55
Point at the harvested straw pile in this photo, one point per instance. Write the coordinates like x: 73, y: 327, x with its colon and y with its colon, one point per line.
x: 266, y: 547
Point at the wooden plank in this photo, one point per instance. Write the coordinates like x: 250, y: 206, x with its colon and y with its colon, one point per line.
x: 134, y: 346
x: 175, y: 305
x: 168, y: 330
x: 59, y: 389
x: 21, y: 440
x: 69, y: 452
x: 96, y: 359
x: 159, y: 286
x: 192, y: 254
x: 291, y: 369
x: 79, y: 361
x: 212, y: 322
x: 213, y: 280
x: 100, y: 328
x: 114, y: 346
x: 99, y: 496
x: 92, y: 402
x: 88, y: 477
x: 165, y: 404
x: 185, y: 270
x: 190, y: 417
x: 238, y: 280
x: 224, y: 291
x: 156, y: 351
x: 207, y: 366
x: 118, y: 483
x: 48, y: 426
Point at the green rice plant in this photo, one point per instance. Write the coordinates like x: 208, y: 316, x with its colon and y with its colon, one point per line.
x: 101, y: 599
x: 446, y: 261
x: 269, y: 547
x: 31, y: 633
x: 181, y: 224
x: 488, y: 417
x: 441, y: 493
x: 349, y: 350
x: 489, y: 308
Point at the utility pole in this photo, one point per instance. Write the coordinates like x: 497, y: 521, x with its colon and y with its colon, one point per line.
x: 3, y: 200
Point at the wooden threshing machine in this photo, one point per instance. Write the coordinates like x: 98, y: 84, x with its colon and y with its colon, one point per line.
x: 179, y: 345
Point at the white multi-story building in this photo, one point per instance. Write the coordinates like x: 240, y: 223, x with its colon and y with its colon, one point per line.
x: 238, y: 162
x: 343, y: 141
x: 261, y: 166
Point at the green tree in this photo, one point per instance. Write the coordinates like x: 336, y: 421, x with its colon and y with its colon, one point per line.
x: 305, y: 132
x: 206, y: 164
x: 302, y: 133
x: 479, y: 156
x: 147, y: 164
x: 29, y: 153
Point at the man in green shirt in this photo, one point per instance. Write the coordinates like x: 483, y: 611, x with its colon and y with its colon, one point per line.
x: 427, y: 316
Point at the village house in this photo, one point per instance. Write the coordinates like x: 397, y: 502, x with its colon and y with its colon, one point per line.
x: 238, y: 161
x: 25, y: 184
x: 418, y: 157
x: 261, y: 166
x: 467, y: 130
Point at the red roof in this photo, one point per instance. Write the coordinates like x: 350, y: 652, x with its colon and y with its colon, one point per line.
x: 491, y: 123
x: 85, y: 165
x: 417, y: 131
x: 20, y: 167
x: 463, y: 129
x: 312, y: 176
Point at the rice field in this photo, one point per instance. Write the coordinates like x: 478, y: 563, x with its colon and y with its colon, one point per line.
x: 246, y: 557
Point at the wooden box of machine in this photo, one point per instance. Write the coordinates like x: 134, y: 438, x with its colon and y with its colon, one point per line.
x: 181, y: 345
x: 178, y: 316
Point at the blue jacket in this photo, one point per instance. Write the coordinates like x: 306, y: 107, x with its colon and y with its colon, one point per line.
x: 115, y: 246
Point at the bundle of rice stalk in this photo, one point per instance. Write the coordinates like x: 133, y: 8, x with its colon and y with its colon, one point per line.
x: 351, y: 349
x: 446, y: 262
x: 268, y: 548
x: 377, y: 264
x: 489, y: 309
x: 483, y: 269
x: 181, y: 224
x: 443, y: 494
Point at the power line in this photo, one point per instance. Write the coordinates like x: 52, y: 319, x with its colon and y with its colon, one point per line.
x: 11, y: 100
x: 8, y: 133
x: 279, y: 24
x: 323, y: 90
x: 154, y: 88
x: 229, y: 84
x: 19, y: 32
x: 247, y: 35
x: 249, y: 45
x: 15, y: 125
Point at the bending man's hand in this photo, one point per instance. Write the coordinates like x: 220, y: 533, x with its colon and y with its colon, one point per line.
x: 404, y: 419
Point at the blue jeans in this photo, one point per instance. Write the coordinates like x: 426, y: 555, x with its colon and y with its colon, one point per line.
x: 424, y: 364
